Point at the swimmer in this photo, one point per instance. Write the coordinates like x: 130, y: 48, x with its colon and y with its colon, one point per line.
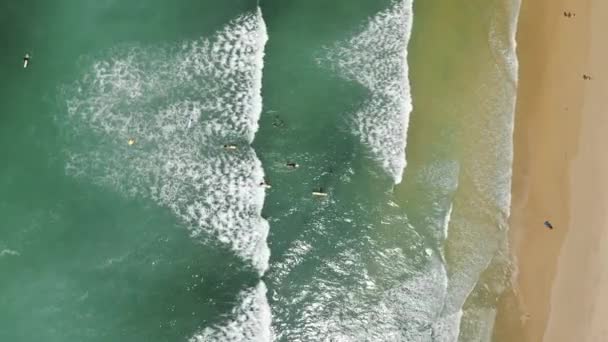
x: 230, y: 147
x: 292, y: 166
x: 26, y: 60
x: 131, y: 141
x: 277, y: 122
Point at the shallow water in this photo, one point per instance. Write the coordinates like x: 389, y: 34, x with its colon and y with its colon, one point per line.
x: 174, y: 237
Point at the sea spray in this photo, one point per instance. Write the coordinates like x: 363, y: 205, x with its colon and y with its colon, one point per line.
x: 376, y: 58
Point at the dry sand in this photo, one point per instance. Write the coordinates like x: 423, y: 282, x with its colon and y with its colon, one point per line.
x: 560, y: 290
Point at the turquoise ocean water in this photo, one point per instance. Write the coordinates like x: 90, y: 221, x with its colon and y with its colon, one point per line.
x: 125, y: 217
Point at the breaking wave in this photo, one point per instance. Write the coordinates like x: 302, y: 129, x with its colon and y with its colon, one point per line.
x: 376, y: 58
x: 152, y: 122
x: 250, y: 321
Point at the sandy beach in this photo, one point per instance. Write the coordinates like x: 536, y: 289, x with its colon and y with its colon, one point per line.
x: 560, y: 174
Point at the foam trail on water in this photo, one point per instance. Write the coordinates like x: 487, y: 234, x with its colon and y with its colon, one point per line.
x: 446, y: 223
x: 180, y: 104
x: 376, y: 58
x: 249, y: 322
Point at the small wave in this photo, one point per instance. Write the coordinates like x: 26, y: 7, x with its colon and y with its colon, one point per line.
x: 376, y: 58
x: 180, y: 104
x: 249, y: 322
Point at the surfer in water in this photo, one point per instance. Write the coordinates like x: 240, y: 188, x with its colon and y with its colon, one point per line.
x: 26, y: 60
x: 230, y: 147
x: 292, y: 166
x: 319, y: 193
x: 189, y: 123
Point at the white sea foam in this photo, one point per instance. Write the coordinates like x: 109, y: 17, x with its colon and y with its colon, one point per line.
x: 478, y: 324
x: 440, y: 179
x: 447, y: 328
x: 180, y: 104
x: 376, y: 58
x: 250, y: 321
x: 507, y: 68
x: 9, y: 252
x: 405, y: 311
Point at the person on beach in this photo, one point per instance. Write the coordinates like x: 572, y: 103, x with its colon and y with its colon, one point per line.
x: 548, y: 225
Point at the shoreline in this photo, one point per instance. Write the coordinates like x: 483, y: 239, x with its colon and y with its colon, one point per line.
x: 557, y: 176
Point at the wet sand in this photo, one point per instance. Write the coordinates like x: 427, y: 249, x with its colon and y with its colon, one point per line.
x: 560, y: 173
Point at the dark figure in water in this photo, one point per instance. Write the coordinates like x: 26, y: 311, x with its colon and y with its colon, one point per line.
x: 277, y: 122
x: 548, y: 225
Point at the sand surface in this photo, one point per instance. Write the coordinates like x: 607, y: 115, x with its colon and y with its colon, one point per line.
x: 560, y: 174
